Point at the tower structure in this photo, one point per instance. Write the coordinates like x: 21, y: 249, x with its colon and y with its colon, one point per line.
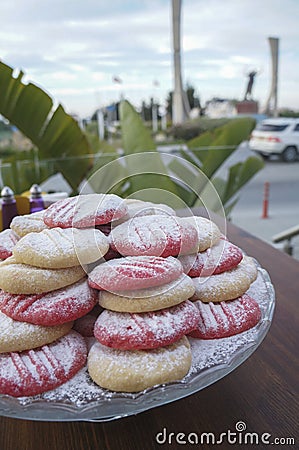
x: 180, y: 107
x: 271, y: 107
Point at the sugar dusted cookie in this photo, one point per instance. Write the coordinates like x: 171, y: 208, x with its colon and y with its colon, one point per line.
x: 138, y: 208
x: 8, y: 240
x: 28, y: 223
x: 85, y: 211
x: 127, y: 331
x: 226, y: 285
x: 134, y: 272
x: 19, y: 278
x: 51, y: 308
x: 36, y: 371
x: 224, y: 319
x: 250, y: 267
x: 58, y: 248
x: 150, y: 299
x: 136, y: 370
x: 208, y: 232
x: 154, y: 235
x: 221, y: 257
x: 18, y: 336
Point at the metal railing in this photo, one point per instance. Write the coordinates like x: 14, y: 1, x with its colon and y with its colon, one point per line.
x: 286, y: 236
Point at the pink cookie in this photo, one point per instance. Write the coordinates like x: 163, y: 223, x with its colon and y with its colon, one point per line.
x: 127, y: 331
x: 156, y: 235
x: 84, y: 211
x: 52, y: 308
x: 220, y: 258
x: 35, y: 371
x: 8, y: 240
x: 134, y: 272
x: 224, y: 319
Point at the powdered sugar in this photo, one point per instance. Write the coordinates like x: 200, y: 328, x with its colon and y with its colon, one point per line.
x: 60, y: 248
x: 44, y: 368
x: 157, y: 235
x: 8, y: 240
x: 52, y: 308
x: 223, y: 319
x: 28, y: 223
x: 224, y: 286
x: 221, y: 257
x: 85, y: 211
x: 146, y: 330
x: 18, y: 336
x: 207, y: 231
x: 135, y: 272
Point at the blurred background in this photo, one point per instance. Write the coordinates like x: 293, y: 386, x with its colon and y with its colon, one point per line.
x: 187, y: 69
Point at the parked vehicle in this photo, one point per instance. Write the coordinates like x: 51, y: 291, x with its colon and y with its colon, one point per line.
x: 279, y: 136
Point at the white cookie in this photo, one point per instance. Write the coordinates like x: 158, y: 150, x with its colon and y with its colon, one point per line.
x: 19, y: 278
x: 58, y: 248
x: 136, y: 370
x: 18, y: 336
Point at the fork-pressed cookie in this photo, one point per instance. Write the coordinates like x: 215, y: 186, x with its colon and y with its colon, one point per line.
x: 207, y: 231
x: 18, y: 336
x: 226, y: 285
x: 38, y: 370
x: 85, y: 211
x: 18, y: 278
x: 28, y: 223
x: 154, y: 235
x: 58, y: 248
x: 140, y: 331
x: 50, y: 308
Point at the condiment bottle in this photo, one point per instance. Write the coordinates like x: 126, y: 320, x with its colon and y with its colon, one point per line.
x: 9, y: 207
x: 36, y: 199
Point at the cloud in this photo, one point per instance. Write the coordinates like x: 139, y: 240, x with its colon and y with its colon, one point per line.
x: 74, y: 48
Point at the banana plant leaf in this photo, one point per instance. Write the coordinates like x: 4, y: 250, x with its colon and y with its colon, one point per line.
x: 215, y: 147
x: 220, y: 143
x: 55, y: 133
x: 228, y: 189
x: 145, y: 167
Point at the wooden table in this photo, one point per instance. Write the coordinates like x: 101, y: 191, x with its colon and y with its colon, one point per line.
x: 261, y: 392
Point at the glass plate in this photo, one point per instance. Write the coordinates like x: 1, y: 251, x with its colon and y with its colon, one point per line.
x: 81, y: 399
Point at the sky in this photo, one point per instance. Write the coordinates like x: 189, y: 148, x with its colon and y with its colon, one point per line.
x: 74, y: 48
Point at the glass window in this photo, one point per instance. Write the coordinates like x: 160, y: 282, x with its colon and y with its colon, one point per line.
x: 271, y: 127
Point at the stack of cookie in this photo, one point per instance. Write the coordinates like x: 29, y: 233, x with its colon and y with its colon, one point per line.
x: 44, y: 289
x: 221, y: 275
x: 137, y: 313
x: 156, y: 277
x: 141, y: 332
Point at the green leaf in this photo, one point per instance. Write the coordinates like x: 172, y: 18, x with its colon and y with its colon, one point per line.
x: 240, y: 174
x: 136, y: 137
x: 54, y: 132
x: 221, y: 143
x: 146, y: 170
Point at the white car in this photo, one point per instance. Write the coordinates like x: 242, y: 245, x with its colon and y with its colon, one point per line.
x: 279, y: 136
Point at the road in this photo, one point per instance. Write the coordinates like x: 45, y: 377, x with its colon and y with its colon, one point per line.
x: 283, y: 206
